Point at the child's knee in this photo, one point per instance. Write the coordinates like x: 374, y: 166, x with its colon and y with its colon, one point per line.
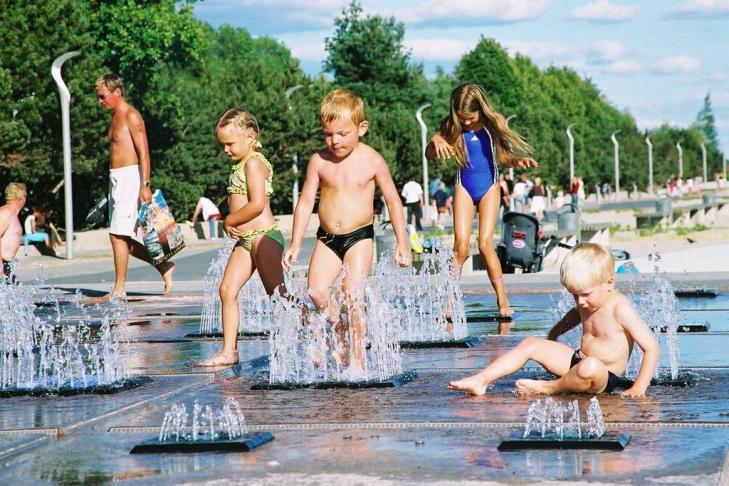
x: 590, y: 368
x: 461, y: 249
x: 486, y: 247
x: 319, y: 296
x: 227, y: 292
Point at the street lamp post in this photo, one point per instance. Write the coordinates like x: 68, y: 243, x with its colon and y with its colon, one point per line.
x: 295, y: 166
x: 616, y: 163
x: 703, y: 162
x: 680, y: 159
x: 66, y: 137
x: 423, y: 142
x: 511, y: 169
x: 572, y: 152
x: 650, y: 164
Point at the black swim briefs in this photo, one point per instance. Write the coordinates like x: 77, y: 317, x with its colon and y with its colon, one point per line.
x: 339, y: 244
x: 612, y: 377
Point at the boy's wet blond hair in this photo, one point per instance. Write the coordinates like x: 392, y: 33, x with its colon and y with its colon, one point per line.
x: 15, y: 191
x: 585, y: 266
x: 340, y: 103
x: 111, y: 82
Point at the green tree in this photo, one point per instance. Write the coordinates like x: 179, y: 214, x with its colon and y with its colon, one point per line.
x: 707, y: 124
x: 136, y: 37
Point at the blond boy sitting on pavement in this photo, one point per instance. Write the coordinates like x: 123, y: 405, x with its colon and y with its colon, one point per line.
x: 345, y: 173
x: 610, y: 327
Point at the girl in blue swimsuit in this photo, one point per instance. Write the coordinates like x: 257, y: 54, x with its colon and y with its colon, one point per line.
x: 479, y: 139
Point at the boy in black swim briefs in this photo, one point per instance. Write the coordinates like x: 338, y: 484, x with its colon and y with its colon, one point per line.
x: 610, y: 328
x: 346, y: 173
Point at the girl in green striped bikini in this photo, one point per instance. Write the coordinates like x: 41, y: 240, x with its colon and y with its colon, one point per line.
x: 260, y: 243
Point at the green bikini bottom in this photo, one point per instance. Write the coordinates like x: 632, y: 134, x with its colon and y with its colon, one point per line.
x: 272, y: 232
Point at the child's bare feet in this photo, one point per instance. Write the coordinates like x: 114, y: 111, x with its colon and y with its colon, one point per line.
x: 533, y: 387
x: 505, y: 310
x: 219, y: 359
x: 471, y: 384
x: 166, y: 269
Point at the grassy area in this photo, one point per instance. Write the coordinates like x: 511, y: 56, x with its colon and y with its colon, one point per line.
x: 693, y: 229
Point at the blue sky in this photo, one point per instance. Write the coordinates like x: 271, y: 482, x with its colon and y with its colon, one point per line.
x: 657, y: 59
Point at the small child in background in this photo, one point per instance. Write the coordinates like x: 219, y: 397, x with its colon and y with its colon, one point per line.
x: 610, y: 327
x: 346, y: 172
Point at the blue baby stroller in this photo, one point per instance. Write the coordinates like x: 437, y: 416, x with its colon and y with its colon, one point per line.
x: 522, y: 245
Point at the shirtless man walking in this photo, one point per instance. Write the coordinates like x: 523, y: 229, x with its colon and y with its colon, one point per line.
x: 129, y: 182
x: 11, y: 232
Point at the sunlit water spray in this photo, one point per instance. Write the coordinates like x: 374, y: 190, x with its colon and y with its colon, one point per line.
x: 549, y: 418
x: 428, y: 301
x: 659, y: 308
x: 254, y: 303
x: 308, y: 346
x: 203, y: 423
x: 39, y: 352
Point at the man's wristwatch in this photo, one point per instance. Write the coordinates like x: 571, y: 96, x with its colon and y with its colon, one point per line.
x: 147, y: 183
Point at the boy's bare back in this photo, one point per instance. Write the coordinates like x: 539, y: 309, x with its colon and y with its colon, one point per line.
x: 347, y: 187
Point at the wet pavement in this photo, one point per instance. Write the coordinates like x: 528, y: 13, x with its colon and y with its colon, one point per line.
x: 417, y: 433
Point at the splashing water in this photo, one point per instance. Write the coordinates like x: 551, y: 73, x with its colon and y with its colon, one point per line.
x: 429, y: 302
x: 308, y: 346
x: 564, y: 304
x: 208, y: 424
x: 41, y: 352
x: 254, y: 303
x: 658, y: 306
x: 546, y: 419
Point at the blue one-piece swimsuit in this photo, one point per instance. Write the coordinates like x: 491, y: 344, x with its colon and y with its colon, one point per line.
x: 480, y: 172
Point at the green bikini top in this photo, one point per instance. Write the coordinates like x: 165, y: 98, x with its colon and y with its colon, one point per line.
x: 237, y: 182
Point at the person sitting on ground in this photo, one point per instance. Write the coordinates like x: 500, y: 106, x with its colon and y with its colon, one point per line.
x: 610, y: 327
x: 210, y: 213
x: 35, y: 225
x: 346, y: 173
x: 10, y: 230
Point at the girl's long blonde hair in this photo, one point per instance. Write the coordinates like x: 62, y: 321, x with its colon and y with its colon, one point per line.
x: 470, y: 98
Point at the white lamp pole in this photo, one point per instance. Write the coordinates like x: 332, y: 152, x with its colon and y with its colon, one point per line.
x: 511, y: 169
x: 680, y: 159
x: 66, y: 136
x: 572, y: 152
x: 703, y: 162
x: 423, y: 141
x: 295, y: 166
x: 616, y: 163
x: 650, y: 164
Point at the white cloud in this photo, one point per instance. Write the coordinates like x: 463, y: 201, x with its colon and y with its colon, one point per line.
x: 602, y: 11
x: 439, y: 49
x: 703, y: 8
x: 676, y: 65
x: 603, y: 52
x: 469, y: 10
x: 540, y: 50
x: 623, y: 66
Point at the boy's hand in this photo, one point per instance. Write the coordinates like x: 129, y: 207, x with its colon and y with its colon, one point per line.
x: 403, y: 255
x: 290, y: 256
x: 443, y: 150
x: 231, y: 230
x: 633, y: 392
